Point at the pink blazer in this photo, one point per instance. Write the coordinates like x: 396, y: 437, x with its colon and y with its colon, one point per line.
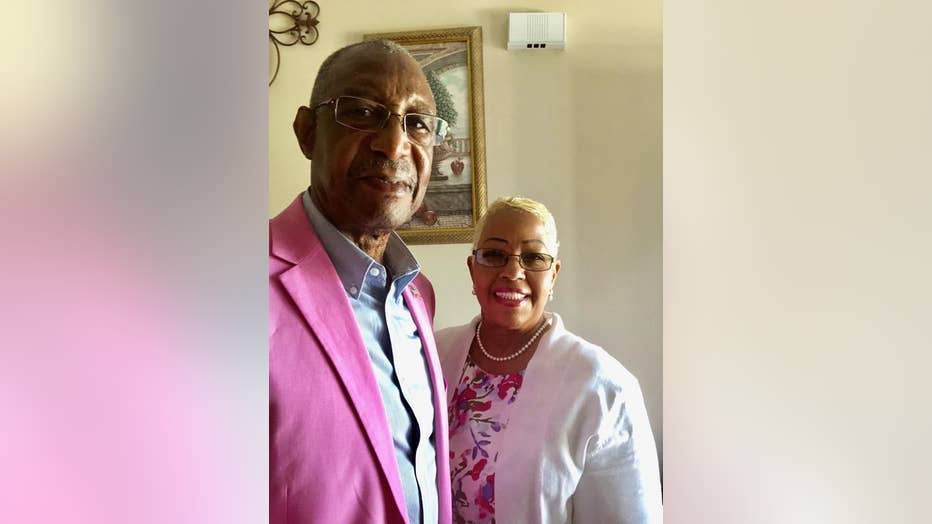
x: 331, y: 454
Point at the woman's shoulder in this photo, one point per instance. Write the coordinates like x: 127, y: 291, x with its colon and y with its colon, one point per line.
x: 590, y: 363
x: 450, y: 336
x: 608, y: 398
x: 452, y: 347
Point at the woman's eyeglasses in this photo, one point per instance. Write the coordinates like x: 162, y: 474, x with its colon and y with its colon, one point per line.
x: 497, y: 258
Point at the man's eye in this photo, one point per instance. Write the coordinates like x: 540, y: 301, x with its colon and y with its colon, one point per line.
x: 361, y: 112
x: 418, y: 123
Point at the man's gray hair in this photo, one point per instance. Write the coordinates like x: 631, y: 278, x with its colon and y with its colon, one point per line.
x: 325, y: 73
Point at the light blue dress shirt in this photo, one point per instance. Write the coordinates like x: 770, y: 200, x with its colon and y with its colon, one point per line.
x: 394, y: 347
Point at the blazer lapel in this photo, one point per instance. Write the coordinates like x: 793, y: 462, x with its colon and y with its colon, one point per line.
x: 314, y: 286
x: 425, y: 329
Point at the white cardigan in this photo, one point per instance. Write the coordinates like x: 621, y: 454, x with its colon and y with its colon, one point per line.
x: 578, y: 447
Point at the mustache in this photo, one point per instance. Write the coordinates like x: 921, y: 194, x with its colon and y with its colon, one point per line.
x: 401, y: 170
x: 381, y: 164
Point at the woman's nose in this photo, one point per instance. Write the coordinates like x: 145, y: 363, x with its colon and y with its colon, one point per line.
x: 512, y: 269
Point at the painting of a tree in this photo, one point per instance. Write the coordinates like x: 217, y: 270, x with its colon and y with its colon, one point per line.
x: 451, y: 60
x: 445, y: 107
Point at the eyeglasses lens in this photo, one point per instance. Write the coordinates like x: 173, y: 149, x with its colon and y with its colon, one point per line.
x: 366, y: 115
x: 360, y: 113
x: 529, y: 261
x: 491, y: 257
x: 535, y: 261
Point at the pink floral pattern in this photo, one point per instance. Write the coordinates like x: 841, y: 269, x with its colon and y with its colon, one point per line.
x: 479, y: 414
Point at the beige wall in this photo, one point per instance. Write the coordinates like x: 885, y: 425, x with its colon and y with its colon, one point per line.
x: 578, y: 129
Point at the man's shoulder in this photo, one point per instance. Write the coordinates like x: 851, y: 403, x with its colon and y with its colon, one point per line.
x: 423, y: 283
x: 289, y: 219
x: 422, y: 289
x: 291, y: 235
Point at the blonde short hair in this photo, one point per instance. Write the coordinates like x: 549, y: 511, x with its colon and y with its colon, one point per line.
x: 526, y: 205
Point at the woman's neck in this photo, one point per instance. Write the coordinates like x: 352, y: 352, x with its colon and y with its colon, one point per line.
x: 493, y: 343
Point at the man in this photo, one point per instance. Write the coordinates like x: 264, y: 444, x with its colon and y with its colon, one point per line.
x: 358, y: 412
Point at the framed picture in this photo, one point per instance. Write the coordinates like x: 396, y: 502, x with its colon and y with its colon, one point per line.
x: 456, y: 195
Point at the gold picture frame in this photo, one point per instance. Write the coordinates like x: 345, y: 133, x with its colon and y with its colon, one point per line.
x: 456, y: 195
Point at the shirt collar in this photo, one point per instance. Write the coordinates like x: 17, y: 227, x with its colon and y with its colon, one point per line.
x: 351, y: 263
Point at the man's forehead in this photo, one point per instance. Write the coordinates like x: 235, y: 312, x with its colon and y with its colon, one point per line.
x: 386, y: 76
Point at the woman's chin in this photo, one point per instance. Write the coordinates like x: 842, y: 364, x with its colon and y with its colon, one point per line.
x: 509, y: 320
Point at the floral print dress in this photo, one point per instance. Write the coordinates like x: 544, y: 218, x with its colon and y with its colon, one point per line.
x: 479, y: 414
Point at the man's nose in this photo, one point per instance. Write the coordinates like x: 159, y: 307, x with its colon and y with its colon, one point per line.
x: 391, y: 140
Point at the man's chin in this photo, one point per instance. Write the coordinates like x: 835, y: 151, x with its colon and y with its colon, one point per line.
x: 387, y: 220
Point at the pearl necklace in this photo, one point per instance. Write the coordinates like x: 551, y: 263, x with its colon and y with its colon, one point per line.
x: 515, y: 354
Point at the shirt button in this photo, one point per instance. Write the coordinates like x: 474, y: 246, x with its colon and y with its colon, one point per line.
x: 374, y: 271
x: 353, y: 290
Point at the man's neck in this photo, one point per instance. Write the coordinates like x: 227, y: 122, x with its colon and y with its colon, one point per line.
x: 372, y: 245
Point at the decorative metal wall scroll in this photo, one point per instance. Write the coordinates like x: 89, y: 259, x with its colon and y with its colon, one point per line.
x: 291, y: 22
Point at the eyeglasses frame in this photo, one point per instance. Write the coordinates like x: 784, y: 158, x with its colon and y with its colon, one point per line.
x: 507, y: 256
x: 401, y: 117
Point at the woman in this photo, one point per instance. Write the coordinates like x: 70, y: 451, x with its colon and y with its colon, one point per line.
x: 544, y: 426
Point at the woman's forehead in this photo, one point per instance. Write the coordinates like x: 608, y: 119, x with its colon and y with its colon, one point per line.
x: 513, y: 227
x: 513, y: 219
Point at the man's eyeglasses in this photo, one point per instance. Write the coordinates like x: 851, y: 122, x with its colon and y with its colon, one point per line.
x: 362, y: 114
x: 496, y: 258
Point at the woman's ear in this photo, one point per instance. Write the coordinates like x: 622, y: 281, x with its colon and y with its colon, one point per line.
x: 305, y: 130
x: 470, y: 264
x: 556, y: 269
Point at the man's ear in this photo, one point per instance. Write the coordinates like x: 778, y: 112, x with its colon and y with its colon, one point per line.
x: 305, y: 130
